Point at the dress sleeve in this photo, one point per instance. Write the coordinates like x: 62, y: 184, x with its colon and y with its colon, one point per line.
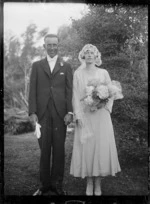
x: 110, y: 102
x: 76, y: 103
x: 85, y: 131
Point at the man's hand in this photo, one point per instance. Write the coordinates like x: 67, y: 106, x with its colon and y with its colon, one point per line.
x: 68, y: 118
x: 33, y: 119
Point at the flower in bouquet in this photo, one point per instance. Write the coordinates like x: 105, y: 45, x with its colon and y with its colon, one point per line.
x: 96, y: 95
x: 88, y: 100
x: 102, y: 92
x: 115, y: 90
x: 89, y: 90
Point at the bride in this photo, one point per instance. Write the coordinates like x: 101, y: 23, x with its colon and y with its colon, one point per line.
x: 94, y: 150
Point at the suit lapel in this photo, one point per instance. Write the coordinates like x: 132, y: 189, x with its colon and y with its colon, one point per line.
x: 57, y: 67
x: 46, y: 67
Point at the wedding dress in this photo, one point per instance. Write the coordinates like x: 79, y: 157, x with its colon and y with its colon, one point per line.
x: 94, y: 148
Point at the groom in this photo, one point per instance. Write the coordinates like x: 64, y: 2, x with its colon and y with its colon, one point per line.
x: 50, y: 98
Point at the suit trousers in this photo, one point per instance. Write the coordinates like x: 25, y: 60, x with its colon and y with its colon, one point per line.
x: 52, y: 146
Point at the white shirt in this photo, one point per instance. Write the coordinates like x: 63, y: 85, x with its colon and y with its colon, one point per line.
x: 52, y: 62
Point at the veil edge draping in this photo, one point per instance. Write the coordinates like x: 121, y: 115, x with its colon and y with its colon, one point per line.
x: 85, y: 130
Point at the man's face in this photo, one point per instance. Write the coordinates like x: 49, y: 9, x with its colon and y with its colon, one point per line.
x: 51, y: 46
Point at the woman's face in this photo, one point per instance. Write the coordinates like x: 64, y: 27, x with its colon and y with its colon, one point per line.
x: 89, y: 56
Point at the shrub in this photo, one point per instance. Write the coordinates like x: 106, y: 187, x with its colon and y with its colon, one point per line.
x: 116, y: 62
x: 23, y: 127
x: 15, y: 127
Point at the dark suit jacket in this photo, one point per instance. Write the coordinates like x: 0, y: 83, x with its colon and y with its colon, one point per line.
x: 45, y: 86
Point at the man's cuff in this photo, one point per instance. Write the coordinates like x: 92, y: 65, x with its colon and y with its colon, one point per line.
x: 70, y: 113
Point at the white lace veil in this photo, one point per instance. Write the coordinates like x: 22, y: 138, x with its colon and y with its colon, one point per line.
x: 97, y: 54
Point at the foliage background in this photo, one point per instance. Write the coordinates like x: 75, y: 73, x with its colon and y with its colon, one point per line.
x: 121, y: 34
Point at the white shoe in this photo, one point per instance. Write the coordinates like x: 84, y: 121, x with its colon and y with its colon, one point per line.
x: 97, y: 190
x: 89, y: 187
x: 89, y: 190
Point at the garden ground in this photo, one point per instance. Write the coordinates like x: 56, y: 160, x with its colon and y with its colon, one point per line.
x: 21, y: 168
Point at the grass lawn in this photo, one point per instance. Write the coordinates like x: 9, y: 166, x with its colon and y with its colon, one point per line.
x: 21, y: 169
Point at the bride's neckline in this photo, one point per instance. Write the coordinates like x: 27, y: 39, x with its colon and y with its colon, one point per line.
x: 91, y: 70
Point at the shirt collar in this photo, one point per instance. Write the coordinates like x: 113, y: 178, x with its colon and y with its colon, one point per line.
x: 49, y: 59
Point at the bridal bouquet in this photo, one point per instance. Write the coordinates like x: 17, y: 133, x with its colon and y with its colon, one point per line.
x: 97, y: 94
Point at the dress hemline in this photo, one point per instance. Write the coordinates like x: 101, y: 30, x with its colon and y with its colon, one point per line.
x: 96, y: 175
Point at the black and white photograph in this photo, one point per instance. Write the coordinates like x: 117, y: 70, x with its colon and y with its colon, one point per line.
x: 75, y: 100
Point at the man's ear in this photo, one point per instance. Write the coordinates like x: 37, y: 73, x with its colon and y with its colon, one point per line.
x: 44, y: 46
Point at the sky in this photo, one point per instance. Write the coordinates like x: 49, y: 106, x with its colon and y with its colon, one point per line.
x: 17, y: 16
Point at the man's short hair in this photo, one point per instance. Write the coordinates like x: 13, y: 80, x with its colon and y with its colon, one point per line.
x: 51, y: 36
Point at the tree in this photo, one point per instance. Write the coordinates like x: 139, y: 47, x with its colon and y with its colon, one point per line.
x: 70, y: 44
x: 12, y: 71
x: 100, y: 27
x: 19, y: 54
x: 111, y: 27
x: 28, y: 54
